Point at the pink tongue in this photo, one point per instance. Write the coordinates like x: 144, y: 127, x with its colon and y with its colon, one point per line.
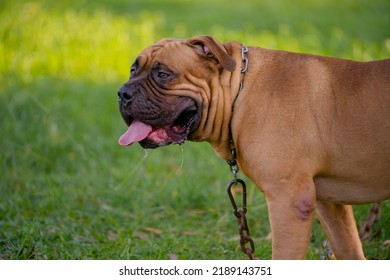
x: 137, y: 131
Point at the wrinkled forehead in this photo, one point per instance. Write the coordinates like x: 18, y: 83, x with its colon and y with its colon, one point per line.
x: 171, y: 52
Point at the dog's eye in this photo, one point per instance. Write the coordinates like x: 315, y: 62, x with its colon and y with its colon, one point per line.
x: 132, y: 70
x: 162, y: 75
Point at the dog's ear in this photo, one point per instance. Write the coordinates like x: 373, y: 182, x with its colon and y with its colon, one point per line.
x: 207, y: 46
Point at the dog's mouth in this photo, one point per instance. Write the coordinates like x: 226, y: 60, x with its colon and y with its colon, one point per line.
x: 155, y: 136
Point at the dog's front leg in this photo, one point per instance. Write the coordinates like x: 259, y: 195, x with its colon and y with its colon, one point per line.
x: 291, y: 206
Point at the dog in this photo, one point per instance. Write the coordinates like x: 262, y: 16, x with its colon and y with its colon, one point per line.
x: 312, y: 132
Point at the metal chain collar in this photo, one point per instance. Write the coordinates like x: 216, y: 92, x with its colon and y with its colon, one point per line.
x: 240, y: 214
x: 244, y: 68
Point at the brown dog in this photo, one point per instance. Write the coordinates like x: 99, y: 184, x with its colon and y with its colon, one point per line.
x: 312, y: 132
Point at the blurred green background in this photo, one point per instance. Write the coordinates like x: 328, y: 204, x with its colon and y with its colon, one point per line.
x: 68, y: 191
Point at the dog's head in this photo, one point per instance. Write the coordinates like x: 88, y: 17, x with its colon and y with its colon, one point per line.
x: 167, y: 95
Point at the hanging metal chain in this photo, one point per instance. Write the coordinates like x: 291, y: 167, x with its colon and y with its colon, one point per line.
x: 240, y: 214
x: 366, y: 229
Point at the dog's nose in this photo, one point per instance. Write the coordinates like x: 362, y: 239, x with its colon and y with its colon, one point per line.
x: 123, y: 95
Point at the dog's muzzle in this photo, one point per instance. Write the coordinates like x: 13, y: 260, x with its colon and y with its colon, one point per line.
x: 155, y: 125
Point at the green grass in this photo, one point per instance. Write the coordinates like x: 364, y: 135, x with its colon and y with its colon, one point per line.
x: 68, y: 191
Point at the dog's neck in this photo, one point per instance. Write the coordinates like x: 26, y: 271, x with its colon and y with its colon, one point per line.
x: 225, y: 144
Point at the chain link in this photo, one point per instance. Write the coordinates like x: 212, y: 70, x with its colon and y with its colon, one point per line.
x: 366, y: 229
x: 246, y: 241
x: 244, y: 51
x: 244, y: 68
x: 240, y: 214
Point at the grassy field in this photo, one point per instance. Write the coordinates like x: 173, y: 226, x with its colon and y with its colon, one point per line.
x: 68, y: 191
